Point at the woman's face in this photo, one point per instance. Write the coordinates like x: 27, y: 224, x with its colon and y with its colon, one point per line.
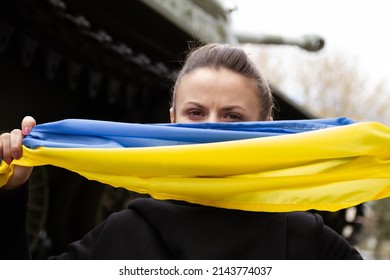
x: 209, y: 95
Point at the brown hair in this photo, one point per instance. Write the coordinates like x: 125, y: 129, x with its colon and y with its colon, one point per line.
x: 218, y: 56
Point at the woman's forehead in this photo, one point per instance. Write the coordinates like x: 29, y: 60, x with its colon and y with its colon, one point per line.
x: 220, y: 82
x: 218, y: 89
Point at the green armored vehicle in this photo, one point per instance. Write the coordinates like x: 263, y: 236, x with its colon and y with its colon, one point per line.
x: 99, y: 59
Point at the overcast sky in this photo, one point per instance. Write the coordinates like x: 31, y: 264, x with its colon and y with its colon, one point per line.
x: 356, y: 27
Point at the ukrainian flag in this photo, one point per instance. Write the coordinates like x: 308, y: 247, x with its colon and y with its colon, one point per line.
x: 323, y: 164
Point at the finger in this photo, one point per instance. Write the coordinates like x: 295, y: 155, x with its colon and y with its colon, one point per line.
x: 28, y: 123
x: 1, y: 147
x: 5, y: 147
x: 16, y: 141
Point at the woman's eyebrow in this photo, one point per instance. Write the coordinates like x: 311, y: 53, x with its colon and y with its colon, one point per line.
x: 224, y: 109
x: 233, y: 107
x: 197, y: 104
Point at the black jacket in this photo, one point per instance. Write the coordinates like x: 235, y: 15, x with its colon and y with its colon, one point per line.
x: 152, y: 229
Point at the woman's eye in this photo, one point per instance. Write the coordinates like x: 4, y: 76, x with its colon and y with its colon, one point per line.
x: 233, y: 117
x: 195, y: 113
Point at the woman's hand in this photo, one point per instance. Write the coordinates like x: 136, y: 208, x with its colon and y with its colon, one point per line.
x: 11, y: 148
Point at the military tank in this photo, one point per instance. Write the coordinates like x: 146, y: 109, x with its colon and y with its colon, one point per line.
x: 108, y: 60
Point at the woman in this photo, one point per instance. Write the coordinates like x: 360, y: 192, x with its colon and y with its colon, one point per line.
x: 218, y: 83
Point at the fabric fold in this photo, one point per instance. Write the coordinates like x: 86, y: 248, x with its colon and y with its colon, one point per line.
x: 280, y: 166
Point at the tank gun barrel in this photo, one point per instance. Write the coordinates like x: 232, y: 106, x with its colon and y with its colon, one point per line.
x: 312, y: 43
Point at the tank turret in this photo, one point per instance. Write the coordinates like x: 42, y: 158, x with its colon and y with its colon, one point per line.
x: 209, y: 21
